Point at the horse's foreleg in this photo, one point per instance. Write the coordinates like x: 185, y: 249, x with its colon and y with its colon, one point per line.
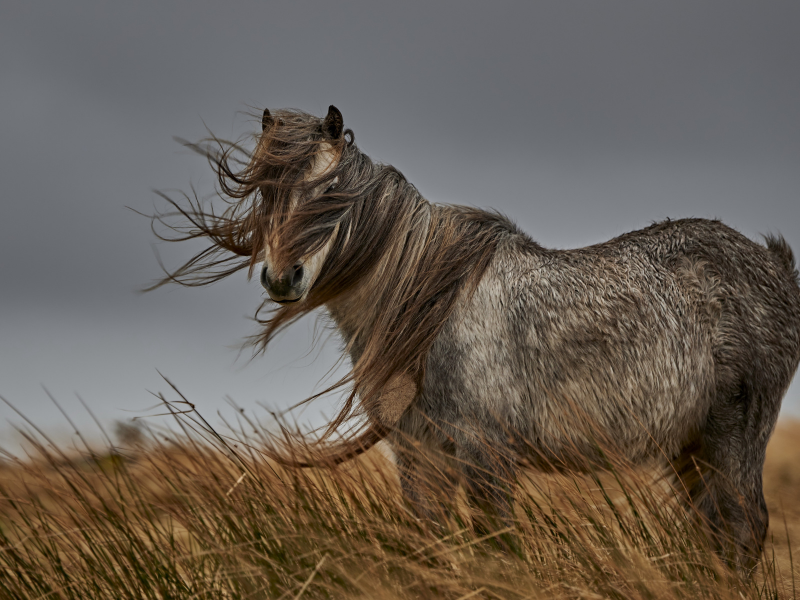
x: 489, y: 476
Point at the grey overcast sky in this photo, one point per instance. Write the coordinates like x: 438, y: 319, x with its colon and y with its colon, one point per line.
x: 580, y: 120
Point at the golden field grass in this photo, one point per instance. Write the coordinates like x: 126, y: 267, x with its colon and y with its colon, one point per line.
x: 204, y: 516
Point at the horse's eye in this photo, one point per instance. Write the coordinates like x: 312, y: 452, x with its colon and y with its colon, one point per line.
x: 332, y: 185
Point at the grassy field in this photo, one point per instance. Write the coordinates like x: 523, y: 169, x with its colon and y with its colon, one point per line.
x: 201, y: 516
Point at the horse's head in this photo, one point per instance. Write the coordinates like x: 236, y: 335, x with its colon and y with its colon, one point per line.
x: 299, y: 192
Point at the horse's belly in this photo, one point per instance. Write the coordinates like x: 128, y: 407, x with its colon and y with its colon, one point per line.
x: 641, y: 405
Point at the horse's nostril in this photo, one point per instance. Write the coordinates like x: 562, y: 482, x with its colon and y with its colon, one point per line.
x: 264, y: 280
x: 297, y: 278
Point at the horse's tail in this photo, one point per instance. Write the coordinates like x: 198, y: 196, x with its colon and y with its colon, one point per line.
x: 330, y: 455
x: 783, y: 253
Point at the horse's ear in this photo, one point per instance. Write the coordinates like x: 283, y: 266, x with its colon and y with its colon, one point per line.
x: 333, y: 124
x: 266, y: 120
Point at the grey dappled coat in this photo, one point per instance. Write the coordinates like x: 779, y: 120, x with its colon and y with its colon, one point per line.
x: 676, y: 341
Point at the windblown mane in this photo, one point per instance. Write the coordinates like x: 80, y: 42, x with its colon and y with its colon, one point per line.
x: 405, y: 260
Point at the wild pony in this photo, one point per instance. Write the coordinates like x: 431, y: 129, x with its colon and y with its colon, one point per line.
x: 472, y: 343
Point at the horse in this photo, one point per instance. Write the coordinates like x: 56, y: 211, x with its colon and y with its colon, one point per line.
x: 471, y: 342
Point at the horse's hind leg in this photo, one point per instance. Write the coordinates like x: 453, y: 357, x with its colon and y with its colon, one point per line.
x: 722, y: 472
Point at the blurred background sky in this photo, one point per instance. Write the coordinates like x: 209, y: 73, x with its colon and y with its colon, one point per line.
x: 579, y: 120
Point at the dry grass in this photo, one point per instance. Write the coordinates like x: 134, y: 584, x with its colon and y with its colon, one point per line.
x: 188, y: 516
x: 782, y: 491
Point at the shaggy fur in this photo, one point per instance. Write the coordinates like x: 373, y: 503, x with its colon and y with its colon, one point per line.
x: 472, y: 343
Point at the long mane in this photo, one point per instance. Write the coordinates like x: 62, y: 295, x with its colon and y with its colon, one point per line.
x: 398, y: 261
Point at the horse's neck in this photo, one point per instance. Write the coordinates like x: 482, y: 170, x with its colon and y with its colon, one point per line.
x: 354, y: 317
x: 356, y: 313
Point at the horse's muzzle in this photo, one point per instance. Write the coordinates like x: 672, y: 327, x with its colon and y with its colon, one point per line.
x: 288, y: 287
